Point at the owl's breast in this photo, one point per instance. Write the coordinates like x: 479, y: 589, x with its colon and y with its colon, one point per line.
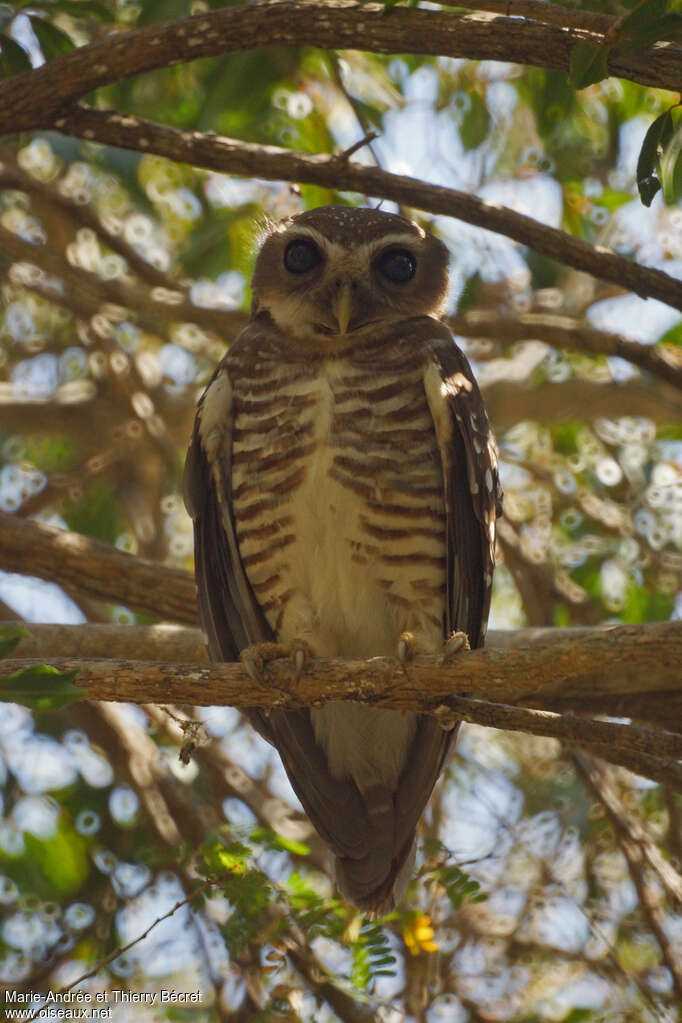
x: 338, y: 505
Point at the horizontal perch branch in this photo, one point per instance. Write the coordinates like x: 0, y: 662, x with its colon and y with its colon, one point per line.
x: 166, y: 642
x: 33, y: 99
x: 606, y: 663
x: 602, y: 663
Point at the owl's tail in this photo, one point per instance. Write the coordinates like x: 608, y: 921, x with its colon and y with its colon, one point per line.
x: 376, y: 882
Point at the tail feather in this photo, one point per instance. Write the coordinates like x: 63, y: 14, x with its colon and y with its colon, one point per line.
x: 377, y: 880
x: 374, y: 884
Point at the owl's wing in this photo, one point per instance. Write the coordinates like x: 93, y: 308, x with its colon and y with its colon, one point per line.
x: 472, y: 501
x: 230, y: 613
x: 473, y: 495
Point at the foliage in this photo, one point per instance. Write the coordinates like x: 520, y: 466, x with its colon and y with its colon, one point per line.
x: 372, y: 955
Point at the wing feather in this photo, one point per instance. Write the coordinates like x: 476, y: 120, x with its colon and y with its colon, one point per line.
x: 230, y: 614
x: 468, y: 464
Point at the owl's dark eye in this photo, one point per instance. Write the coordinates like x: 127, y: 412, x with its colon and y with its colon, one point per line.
x: 301, y: 256
x: 398, y: 265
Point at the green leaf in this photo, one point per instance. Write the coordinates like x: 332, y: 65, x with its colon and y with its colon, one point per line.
x: 53, y: 42
x: 649, y: 22
x: 588, y: 64
x: 61, y: 858
x: 13, y: 58
x: 85, y: 9
x: 10, y: 635
x: 371, y: 954
x: 672, y: 336
x: 271, y: 840
x: 41, y: 687
x: 475, y: 123
x: 643, y: 14
x: 671, y: 169
x: 648, y: 165
x: 667, y: 28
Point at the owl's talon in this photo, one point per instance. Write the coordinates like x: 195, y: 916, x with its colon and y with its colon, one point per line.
x: 255, y: 657
x: 445, y: 718
x: 456, y: 643
x: 254, y: 668
x: 300, y: 653
x: 408, y: 647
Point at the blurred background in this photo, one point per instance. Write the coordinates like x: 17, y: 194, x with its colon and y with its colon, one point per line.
x: 123, y: 277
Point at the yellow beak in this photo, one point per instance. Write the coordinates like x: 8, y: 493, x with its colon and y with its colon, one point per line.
x: 343, y: 306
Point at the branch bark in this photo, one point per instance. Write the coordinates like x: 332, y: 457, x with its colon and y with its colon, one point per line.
x: 564, y: 332
x: 96, y: 569
x: 185, y: 644
x: 598, y: 662
x: 231, y: 156
x: 509, y: 402
x: 602, y: 663
x: 34, y: 99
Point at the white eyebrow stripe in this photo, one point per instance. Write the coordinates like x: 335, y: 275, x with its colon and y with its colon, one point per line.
x: 361, y: 255
x: 331, y: 249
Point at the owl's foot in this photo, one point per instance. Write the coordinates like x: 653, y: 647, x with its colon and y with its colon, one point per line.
x: 456, y: 643
x: 408, y: 647
x: 254, y: 658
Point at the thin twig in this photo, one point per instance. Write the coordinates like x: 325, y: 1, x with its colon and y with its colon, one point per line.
x: 125, y: 948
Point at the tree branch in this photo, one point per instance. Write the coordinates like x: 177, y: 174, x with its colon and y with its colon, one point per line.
x: 600, y: 663
x: 33, y: 99
x: 231, y: 156
x: 87, y: 293
x: 96, y: 569
x: 563, y: 332
x: 637, y: 846
x: 181, y: 643
x: 428, y: 687
x: 510, y: 402
x: 540, y: 10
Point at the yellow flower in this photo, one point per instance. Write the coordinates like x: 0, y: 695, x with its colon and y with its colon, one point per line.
x: 418, y: 935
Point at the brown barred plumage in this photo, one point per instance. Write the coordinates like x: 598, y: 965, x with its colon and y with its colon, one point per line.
x: 343, y: 485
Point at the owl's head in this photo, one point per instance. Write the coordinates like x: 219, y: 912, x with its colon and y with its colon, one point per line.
x: 332, y: 274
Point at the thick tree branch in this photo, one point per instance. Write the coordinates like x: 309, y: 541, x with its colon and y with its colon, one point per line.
x: 231, y: 156
x: 96, y: 569
x: 540, y: 10
x: 567, y: 333
x: 182, y: 643
x: 33, y: 99
x: 602, y: 662
x: 510, y: 402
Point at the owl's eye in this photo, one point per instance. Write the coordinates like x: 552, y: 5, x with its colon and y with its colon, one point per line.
x: 301, y: 256
x: 398, y: 265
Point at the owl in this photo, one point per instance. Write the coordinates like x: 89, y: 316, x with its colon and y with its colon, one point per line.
x: 343, y: 485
